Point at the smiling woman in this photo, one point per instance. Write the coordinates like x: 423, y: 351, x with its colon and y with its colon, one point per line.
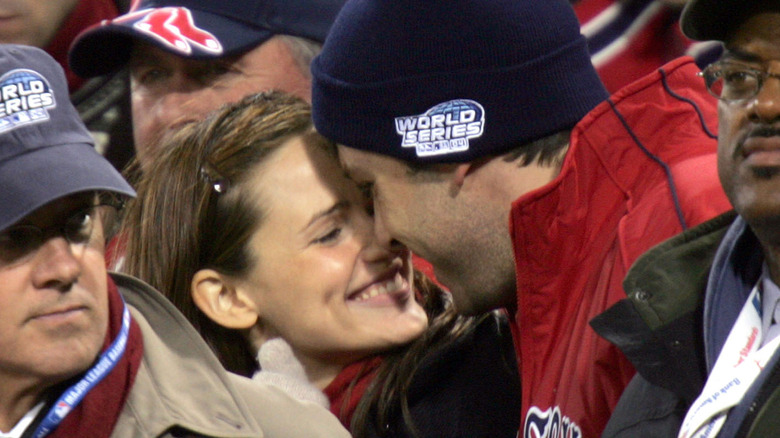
x: 248, y: 224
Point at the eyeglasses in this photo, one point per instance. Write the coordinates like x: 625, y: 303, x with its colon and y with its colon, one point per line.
x: 18, y: 243
x: 731, y: 82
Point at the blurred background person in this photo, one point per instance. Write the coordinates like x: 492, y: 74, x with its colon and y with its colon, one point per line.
x: 628, y: 39
x: 103, y: 101
x: 188, y: 57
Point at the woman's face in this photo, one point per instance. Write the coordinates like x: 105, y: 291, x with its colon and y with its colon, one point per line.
x: 321, y: 279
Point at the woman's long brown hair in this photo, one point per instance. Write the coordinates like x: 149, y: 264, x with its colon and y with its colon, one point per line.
x: 188, y: 214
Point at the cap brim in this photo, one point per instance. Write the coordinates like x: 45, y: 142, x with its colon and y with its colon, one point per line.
x: 106, y: 47
x: 704, y: 20
x: 42, y: 175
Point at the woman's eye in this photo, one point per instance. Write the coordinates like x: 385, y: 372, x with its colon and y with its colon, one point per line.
x: 330, y: 237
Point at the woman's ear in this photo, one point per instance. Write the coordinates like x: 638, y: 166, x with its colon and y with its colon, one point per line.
x: 218, y: 297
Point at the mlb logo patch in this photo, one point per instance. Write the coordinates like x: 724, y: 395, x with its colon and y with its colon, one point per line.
x: 25, y: 97
x: 61, y: 409
x: 444, y: 129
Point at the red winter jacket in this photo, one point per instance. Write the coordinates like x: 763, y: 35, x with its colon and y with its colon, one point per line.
x: 641, y: 167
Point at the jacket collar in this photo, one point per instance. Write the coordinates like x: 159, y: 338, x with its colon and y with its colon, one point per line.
x: 658, y: 326
x: 176, y: 363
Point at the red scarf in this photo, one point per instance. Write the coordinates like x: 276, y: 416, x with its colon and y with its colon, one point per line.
x: 97, y: 414
x: 346, y: 390
x: 85, y: 14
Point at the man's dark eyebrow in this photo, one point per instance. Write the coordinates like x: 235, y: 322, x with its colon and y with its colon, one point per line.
x: 733, y: 53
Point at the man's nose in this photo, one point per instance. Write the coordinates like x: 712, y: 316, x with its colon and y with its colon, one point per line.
x: 383, y: 237
x: 765, y: 106
x: 185, y: 104
x: 56, y: 265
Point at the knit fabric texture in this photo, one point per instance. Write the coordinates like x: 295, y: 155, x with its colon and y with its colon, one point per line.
x: 452, y: 80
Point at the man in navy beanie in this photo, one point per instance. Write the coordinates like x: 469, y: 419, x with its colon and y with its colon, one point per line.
x: 491, y: 149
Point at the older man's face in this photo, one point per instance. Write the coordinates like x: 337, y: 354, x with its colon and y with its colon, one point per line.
x: 53, y: 300
x: 169, y: 91
x: 749, y: 133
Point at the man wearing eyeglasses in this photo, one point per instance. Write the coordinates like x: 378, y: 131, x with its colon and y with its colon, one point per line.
x: 83, y: 353
x: 705, y: 344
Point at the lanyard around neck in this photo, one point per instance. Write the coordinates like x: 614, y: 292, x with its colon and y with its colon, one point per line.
x: 73, y: 395
x: 739, y: 363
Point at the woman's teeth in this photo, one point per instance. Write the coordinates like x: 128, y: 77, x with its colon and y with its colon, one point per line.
x: 389, y: 286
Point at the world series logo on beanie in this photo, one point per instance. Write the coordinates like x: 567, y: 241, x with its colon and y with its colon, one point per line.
x: 444, y: 129
x: 25, y: 96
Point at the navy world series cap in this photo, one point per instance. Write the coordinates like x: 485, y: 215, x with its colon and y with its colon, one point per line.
x: 198, y: 29
x: 46, y: 151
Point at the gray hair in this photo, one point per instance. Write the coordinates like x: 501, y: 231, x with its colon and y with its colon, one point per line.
x: 303, y: 51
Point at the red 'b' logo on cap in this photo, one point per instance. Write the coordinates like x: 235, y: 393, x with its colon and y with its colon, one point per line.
x: 175, y: 28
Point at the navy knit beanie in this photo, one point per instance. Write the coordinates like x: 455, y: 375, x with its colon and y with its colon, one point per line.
x: 452, y: 80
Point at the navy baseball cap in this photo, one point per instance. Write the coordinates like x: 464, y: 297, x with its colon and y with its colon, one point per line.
x: 46, y: 151
x: 198, y: 29
x: 714, y: 19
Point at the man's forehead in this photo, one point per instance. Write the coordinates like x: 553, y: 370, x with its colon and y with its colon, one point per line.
x: 756, y: 39
x: 734, y: 52
x: 344, y: 156
x: 363, y: 166
x: 760, y: 22
x: 356, y: 163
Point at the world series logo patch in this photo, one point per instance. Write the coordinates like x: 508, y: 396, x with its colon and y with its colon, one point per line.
x: 25, y: 97
x: 444, y: 129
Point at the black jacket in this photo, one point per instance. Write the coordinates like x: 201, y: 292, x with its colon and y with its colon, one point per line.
x: 660, y: 328
x: 468, y: 389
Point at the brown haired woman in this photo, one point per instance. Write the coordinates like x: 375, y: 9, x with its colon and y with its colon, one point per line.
x: 250, y: 227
